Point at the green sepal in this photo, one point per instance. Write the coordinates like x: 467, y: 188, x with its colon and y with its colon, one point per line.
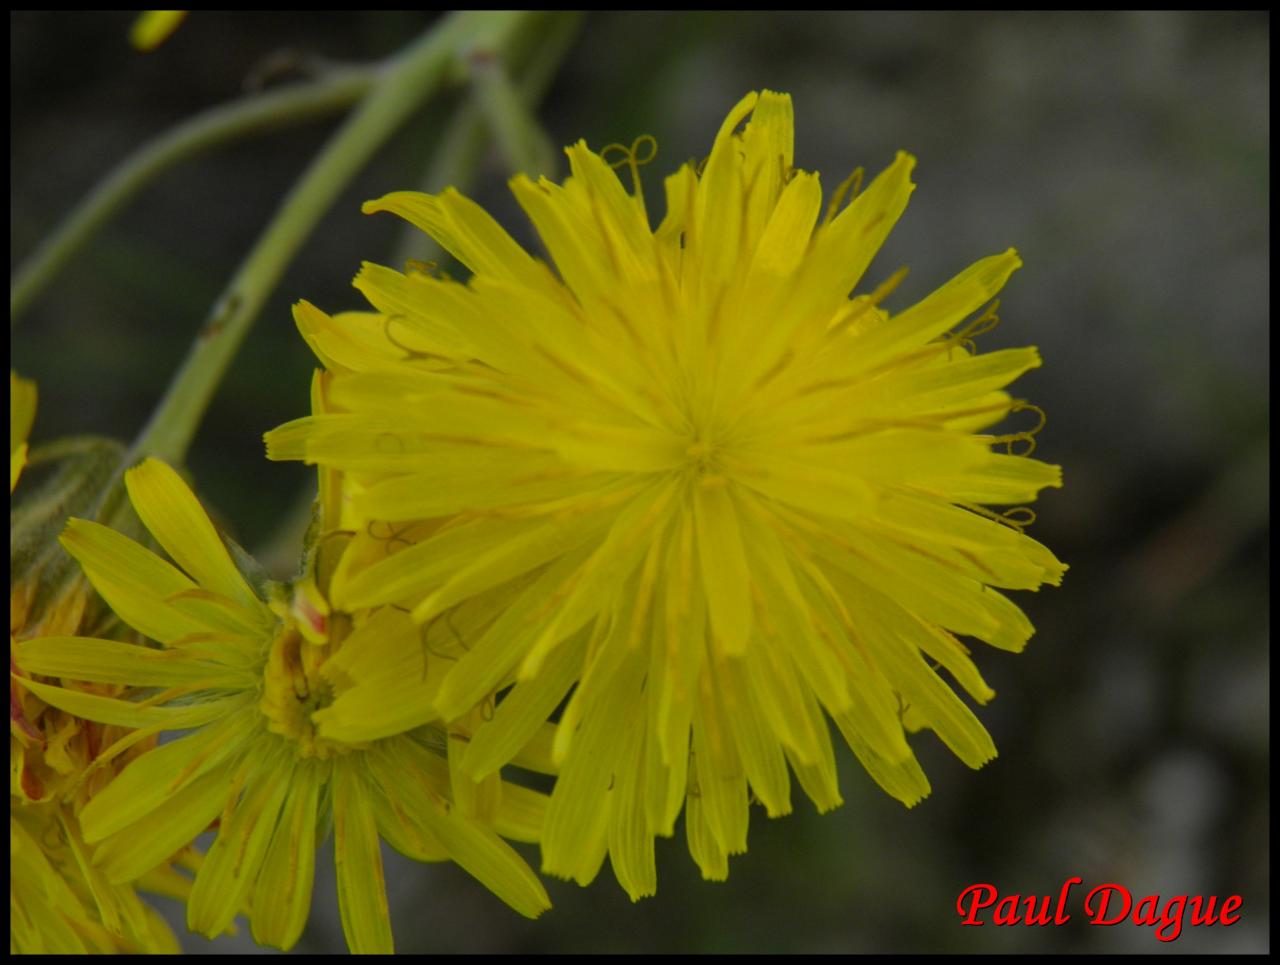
x: 64, y: 478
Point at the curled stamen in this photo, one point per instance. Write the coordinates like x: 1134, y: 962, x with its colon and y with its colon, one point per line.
x: 1022, y: 405
x: 410, y: 354
x: 981, y: 325
x: 368, y: 529
x: 424, y: 635
x: 984, y: 323
x: 1008, y: 518
x: 457, y: 637
x: 1019, y: 517
x: 392, y: 536
x: 632, y: 156
x: 1014, y: 437
x: 860, y: 305
x: 397, y: 535
x: 1027, y: 435
x: 850, y: 187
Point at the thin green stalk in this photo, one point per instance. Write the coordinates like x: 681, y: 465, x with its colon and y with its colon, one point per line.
x: 399, y: 90
x: 525, y: 147
x: 458, y: 159
x: 221, y: 125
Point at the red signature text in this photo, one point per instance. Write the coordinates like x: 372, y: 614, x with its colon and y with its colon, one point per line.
x: 1106, y: 904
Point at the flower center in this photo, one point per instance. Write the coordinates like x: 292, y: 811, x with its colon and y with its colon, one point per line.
x: 701, y: 456
x: 294, y: 690
x: 705, y: 466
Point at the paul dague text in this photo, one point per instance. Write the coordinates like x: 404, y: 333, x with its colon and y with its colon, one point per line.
x: 1108, y: 904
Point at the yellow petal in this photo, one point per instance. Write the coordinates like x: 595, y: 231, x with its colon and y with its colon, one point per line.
x: 362, y: 890
x: 917, y: 682
x: 937, y: 313
x: 282, y: 894
x: 630, y: 840
x: 234, y: 861
x: 468, y: 233
x: 818, y: 778
x: 575, y: 837
x: 997, y: 479
x: 490, y: 659
x: 175, y: 518
x: 768, y: 143
x: 524, y: 710
x: 757, y: 743
x: 720, y: 780
x: 140, y: 847
x: 149, y: 782
x: 843, y: 249
x: 122, y: 713
x: 522, y: 814
x: 726, y: 576
x: 355, y: 341
x: 902, y: 779
x: 490, y: 860
x: 134, y: 581
x: 713, y: 239
x: 381, y: 685
x: 111, y: 662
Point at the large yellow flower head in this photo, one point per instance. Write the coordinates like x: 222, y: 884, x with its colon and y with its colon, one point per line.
x: 244, y: 676
x: 690, y: 474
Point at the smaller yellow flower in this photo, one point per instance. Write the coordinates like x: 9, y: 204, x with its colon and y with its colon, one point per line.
x: 246, y: 678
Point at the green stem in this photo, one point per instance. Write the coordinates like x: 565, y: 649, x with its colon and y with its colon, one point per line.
x: 524, y: 145
x: 189, y: 139
x: 458, y: 159
x: 417, y: 73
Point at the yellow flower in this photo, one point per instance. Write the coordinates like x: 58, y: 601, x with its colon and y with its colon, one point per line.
x: 703, y: 483
x: 22, y: 412
x: 58, y: 902
x: 244, y: 678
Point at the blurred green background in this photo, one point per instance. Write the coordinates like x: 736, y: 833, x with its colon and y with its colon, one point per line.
x: 1126, y: 155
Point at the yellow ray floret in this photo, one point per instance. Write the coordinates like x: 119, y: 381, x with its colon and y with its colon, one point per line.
x: 689, y: 488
